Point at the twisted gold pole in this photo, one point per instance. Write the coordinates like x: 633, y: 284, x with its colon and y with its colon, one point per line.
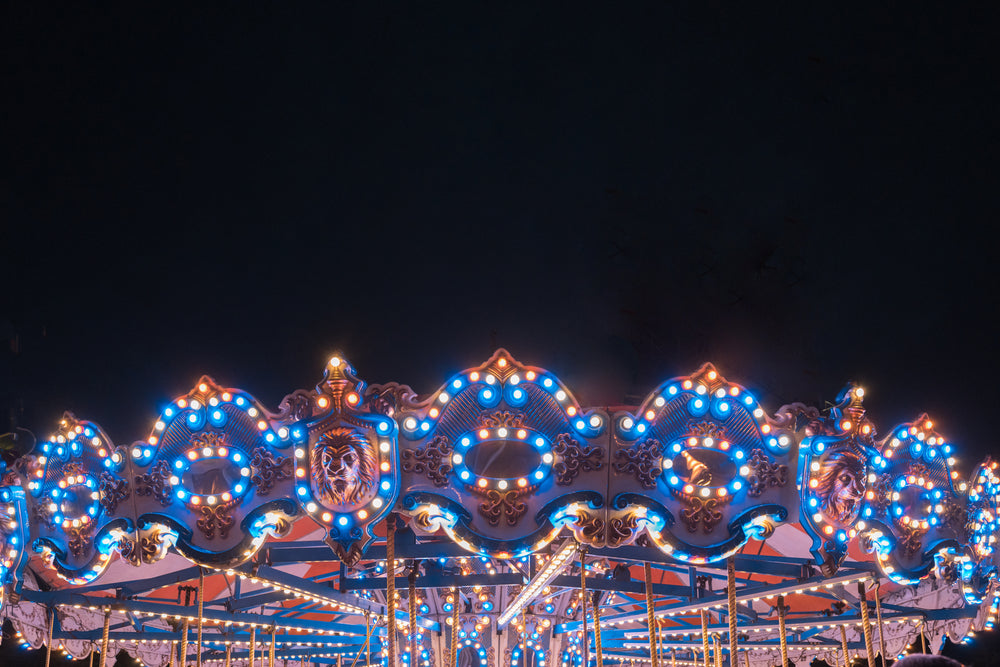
x: 201, y: 610
x: 48, y: 643
x: 184, y: 643
x: 731, y: 590
x: 843, y: 645
x: 781, y: 630
x: 229, y: 655
x: 597, y: 634
x: 413, y: 615
x: 105, y: 635
x: 878, y: 616
x: 173, y: 654
x: 583, y: 608
x: 704, y: 637
x: 649, y: 614
x: 270, y: 653
x: 368, y: 638
x: 866, y: 625
x: 923, y: 639
x: 390, y: 587
x: 717, y: 645
x: 456, y: 600
x: 253, y: 644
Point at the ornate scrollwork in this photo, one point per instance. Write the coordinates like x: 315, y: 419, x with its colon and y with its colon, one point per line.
x: 155, y: 483
x: 80, y: 538
x: 704, y: 511
x: 764, y: 474
x: 574, y: 459
x: 503, y: 504
x: 113, y: 491
x: 269, y: 469
x: 882, y: 494
x: 433, y: 460
x: 503, y: 419
x: 216, y: 518
x: 911, y: 540
x: 592, y: 527
x: 642, y: 460
x: 621, y: 529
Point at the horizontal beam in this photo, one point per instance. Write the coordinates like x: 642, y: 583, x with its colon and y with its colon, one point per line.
x: 742, y: 595
x: 630, y: 586
x: 433, y: 581
x: 70, y: 598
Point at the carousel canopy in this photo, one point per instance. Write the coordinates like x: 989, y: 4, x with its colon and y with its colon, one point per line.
x: 498, y: 521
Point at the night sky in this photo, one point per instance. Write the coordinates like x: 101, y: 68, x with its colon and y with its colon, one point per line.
x: 615, y: 193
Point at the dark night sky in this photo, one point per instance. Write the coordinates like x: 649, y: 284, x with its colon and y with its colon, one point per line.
x: 615, y: 193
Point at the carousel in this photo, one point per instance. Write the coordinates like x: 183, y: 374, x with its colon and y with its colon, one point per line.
x: 497, y: 522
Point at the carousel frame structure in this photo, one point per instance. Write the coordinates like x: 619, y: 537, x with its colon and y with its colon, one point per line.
x: 497, y: 522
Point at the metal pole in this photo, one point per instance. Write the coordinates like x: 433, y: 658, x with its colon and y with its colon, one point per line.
x: 781, y: 630
x: 583, y: 608
x: 184, y: 644
x: 704, y: 636
x: 48, y: 643
x: 866, y: 622
x: 413, y: 615
x: 649, y: 614
x: 843, y: 645
x: 270, y: 653
x: 390, y: 586
x: 201, y: 610
x: 597, y: 632
x: 253, y: 644
x: 105, y: 635
x: 878, y: 616
x: 731, y: 589
x: 456, y: 600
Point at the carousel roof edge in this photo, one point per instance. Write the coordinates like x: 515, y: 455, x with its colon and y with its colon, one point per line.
x: 501, y: 459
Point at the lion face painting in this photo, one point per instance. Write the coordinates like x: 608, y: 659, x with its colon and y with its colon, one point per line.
x: 842, y: 485
x: 344, y: 468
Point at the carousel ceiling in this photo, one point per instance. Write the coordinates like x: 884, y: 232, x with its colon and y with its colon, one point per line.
x: 505, y: 465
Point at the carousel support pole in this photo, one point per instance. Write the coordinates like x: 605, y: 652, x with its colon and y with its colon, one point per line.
x: 923, y: 638
x: 731, y: 590
x: 583, y: 608
x: 184, y: 645
x: 270, y: 653
x: 253, y: 644
x: 173, y: 654
x: 866, y: 622
x: 48, y: 642
x: 229, y: 655
x: 717, y: 645
x: 456, y: 600
x: 659, y: 643
x: 597, y: 631
x: 105, y: 634
x: 413, y: 614
x: 878, y: 616
x: 201, y: 610
x: 368, y: 640
x: 843, y: 645
x: 704, y: 637
x: 781, y: 630
x: 649, y: 614
x: 90, y: 662
x: 390, y: 587
x: 673, y: 657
